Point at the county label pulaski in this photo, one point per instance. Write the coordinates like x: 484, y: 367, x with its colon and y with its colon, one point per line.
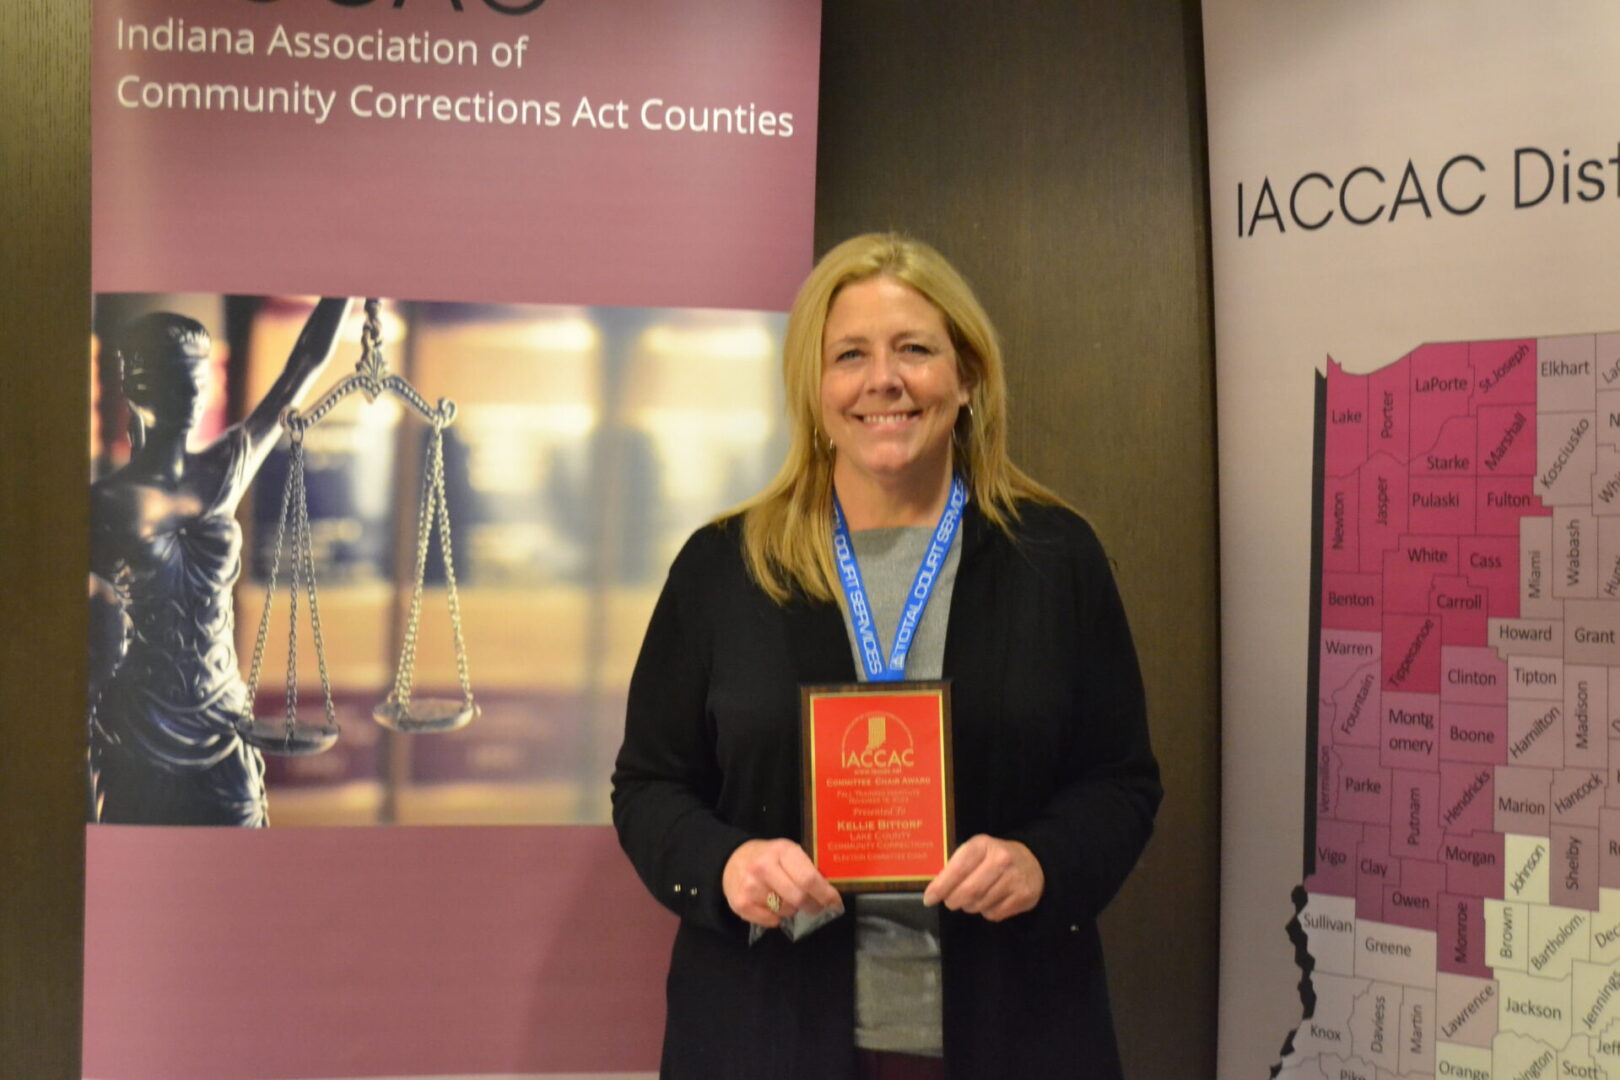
x: 1460, y: 915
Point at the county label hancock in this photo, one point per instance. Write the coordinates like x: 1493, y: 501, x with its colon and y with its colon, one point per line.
x: 1461, y: 904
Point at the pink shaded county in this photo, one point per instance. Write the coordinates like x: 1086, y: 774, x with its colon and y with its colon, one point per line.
x: 1327, y: 779
x: 1414, y: 828
x: 1375, y: 871
x: 1409, y: 572
x: 1609, y: 835
x: 1461, y: 608
x: 1389, y: 396
x: 1460, y: 944
x: 1576, y: 866
x: 1441, y: 505
x: 1535, y: 730
x: 1413, y: 902
x: 1384, y: 494
x: 1346, y: 422
x: 1436, y: 554
x: 1411, y: 658
x: 1467, y: 798
x: 1611, y: 792
x: 1344, y: 654
x: 1521, y: 800
x: 1502, y: 500
x: 1341, y: 547
x: 1507, y: 440
x: 1352, y: 601
x: 1586, y: 704
x: 1476, y: 733
x: 1453, y: 452
x: 1492, y: 562
x: 1608, y: 361
x: 1361, y: 786
x: 1472, y: 675
x: 1504, y: 371
x: 1349, y: 674
x: 1337, y: 844
x: 1352, y: 713
x: 1409, y: 732
x: 1474, y: 864
x: 1577, y: 796
x: 1442, y: 388
x: 1606, y: 480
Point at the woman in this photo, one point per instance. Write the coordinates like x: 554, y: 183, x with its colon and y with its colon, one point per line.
x: 165, y: 552
x: 894, y: 389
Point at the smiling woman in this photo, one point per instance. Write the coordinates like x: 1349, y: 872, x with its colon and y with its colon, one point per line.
x: 891, y: 389
x: 897, y: 410
x: 785, y: 539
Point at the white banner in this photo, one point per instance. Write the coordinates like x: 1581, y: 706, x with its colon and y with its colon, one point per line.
x: 1416, y: 214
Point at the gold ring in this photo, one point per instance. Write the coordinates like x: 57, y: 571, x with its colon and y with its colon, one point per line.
x: 773, y: 902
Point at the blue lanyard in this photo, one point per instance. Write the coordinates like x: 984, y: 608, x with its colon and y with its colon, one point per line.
x: 922, y: 587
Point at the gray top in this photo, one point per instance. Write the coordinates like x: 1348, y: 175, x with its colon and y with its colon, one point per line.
x: 897, y: 970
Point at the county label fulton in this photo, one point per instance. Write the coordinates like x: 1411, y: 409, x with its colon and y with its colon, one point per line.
x: 1461, y: 902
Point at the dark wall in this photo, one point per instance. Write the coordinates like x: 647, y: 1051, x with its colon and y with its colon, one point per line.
x: 1055, y: 153
x: 44, y: 539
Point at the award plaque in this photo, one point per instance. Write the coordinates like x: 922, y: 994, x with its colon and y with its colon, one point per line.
x: 878, y: 807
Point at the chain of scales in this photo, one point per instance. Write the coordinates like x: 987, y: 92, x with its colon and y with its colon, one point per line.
x: 401, y: 710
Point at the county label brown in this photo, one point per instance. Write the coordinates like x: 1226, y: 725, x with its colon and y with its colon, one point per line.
x: 877, y: 783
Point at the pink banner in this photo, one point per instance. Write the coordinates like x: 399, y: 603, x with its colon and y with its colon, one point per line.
x: 238, y: 954
x: 579, y: 218
x: 622, y: 152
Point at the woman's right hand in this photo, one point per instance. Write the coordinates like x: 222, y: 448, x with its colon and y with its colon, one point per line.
x: 760, y: 868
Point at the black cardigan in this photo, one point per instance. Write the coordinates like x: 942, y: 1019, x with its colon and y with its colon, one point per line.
x: 1051, y: 748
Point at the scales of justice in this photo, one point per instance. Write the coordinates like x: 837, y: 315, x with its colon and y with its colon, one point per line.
x: 401, y: 710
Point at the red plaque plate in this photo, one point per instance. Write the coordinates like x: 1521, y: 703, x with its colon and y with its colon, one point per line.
x: 878, y: 809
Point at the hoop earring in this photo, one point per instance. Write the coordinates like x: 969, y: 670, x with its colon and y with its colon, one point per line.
x: 958, y: 435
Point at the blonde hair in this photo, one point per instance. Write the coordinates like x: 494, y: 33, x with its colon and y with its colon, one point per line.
x: 786, y: 528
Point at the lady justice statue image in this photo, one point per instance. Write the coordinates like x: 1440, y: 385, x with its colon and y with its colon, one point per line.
x: 165, y: 553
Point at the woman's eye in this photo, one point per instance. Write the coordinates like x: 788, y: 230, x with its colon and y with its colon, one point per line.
x: 848, y: 354
x: 916, y: 348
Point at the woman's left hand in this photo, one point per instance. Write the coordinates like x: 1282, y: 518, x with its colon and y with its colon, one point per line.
x: 986, y: 876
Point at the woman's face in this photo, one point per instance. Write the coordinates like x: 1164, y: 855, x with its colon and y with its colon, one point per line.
x: 891, y: 384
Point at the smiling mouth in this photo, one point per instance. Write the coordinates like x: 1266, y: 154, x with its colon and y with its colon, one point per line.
x: 879, y: 419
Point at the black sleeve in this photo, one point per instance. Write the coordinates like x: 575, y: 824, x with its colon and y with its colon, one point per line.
x: 666, y: 778
x: 1098, y: 821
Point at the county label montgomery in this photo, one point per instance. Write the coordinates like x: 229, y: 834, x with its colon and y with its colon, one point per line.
x: 1460, y: 912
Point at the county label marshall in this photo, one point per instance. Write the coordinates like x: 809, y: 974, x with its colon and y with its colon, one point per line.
x: 1461, y: 901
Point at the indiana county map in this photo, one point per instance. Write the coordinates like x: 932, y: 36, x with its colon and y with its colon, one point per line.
x: 1460, y: 910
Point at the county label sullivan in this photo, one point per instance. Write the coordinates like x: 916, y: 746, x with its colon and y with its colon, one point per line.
x: 1460, y: 910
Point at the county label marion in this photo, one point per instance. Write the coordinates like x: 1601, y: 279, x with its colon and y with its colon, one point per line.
x: 1460, y: 913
